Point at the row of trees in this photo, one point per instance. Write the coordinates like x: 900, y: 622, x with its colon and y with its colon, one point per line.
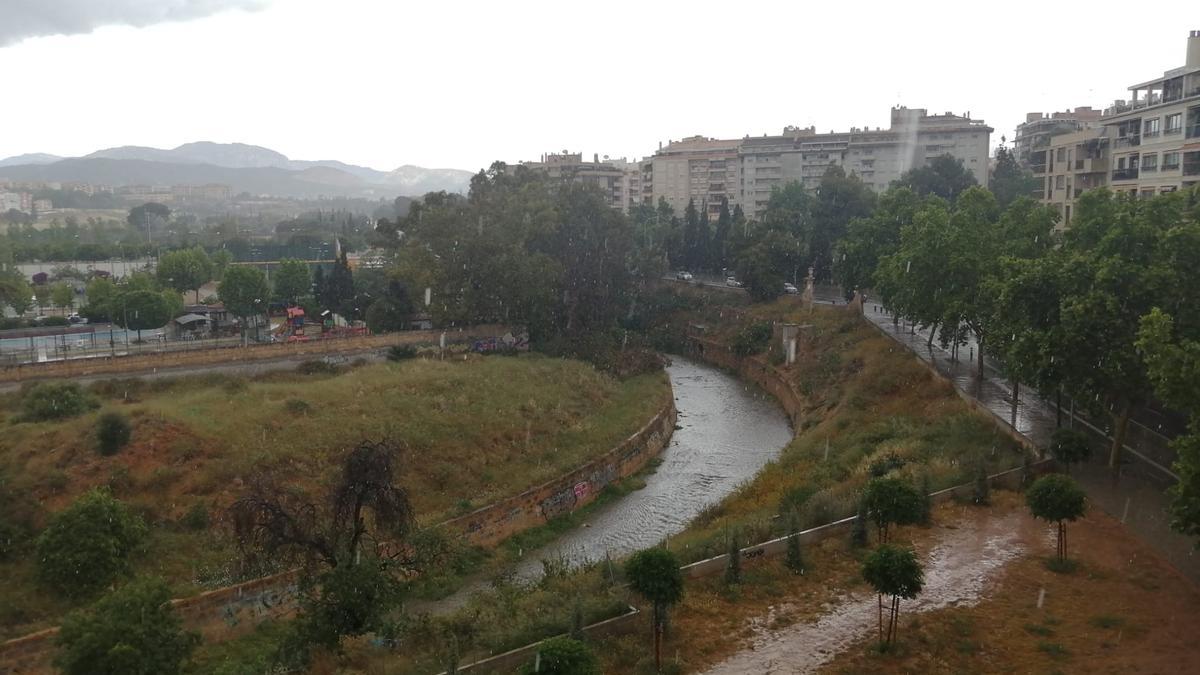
x: 1092, y: 312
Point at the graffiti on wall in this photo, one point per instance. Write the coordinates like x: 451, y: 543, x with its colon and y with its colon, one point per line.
x: 559, y: 503
x: 504, y: 343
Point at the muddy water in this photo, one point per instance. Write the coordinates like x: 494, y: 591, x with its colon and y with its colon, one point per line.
x: 958, y: 568
x: 728, y: 431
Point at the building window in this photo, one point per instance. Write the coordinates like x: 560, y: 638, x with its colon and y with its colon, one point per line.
x: 1059, y: 182
x: 1170, y: 161
x: 1174, y: 123
x: 1060, y: 155
x: 1150, y: 162
x: 1150, y: 127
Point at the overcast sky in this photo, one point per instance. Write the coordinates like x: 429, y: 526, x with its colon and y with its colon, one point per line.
x: 445, y: 83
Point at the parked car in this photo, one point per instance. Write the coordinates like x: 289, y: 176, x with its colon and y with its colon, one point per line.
x: 75, y: 318
x: 790, y: 288
x: 732, y: 282
x: 683, y: 276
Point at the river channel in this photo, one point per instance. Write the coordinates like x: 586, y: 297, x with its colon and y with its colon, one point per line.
x: 728, y: 430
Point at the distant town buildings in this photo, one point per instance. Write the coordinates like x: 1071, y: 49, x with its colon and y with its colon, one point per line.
x: 607, y: 176
x: 1034, y: 134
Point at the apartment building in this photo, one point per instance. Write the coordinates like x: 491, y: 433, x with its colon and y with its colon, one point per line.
x: 877, y: 156
x: 1033, y: 135
x: 606, y: 176
x: 699, y: 169
x: 1155, y: 136
x: 1068, y: 165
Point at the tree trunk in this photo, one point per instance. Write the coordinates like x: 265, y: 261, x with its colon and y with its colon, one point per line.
x: 979, y: 344
x: 1058, y: 408
x: 1016, y: 388
x: 1122, y: 420
x: 657, y: 638
x: 929, y: 342
x: 880, y: 597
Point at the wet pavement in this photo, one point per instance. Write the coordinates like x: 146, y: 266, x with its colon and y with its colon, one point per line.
x: 963, y: 562
x: 1135, y: 495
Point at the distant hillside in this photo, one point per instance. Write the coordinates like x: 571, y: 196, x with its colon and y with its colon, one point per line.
x: 258, y: 180
x: 33, y: 158
x: 244, y: 167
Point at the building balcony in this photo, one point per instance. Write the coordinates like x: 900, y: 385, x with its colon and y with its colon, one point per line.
x: 1150, y: 134
x: 1172, y: 132
x: 1037, y: 168
x: 1193, y: 131
x: 1128, y: 141
x: 1149, y: 169
x: 1125, y: 174
x: 1191, y: 167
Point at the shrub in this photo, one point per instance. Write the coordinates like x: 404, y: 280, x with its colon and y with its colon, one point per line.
x: 87, y: 545
x: 1058, y: 499
x: 401, y: 353
x: 54, y: 401
x: 132, y: 630
x: 1070, y: 446
x: 316, y: 367
x: 892, y: 501
x: 196, y: 517
x: 9, y: 322
x: 55, y: 321
x: 564, y: 656
x: 733, y: 562
x: 885, y: 465
x: 752, y: 339
x: 297, y: 406
x: 794, y: 558
x: 113, y: 432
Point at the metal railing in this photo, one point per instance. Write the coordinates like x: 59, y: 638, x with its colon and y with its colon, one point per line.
x: 1125, y: 174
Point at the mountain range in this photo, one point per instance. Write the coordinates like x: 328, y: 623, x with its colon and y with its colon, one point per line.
x: 245, y: 168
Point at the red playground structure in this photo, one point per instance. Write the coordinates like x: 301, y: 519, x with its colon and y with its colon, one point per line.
x: 292, y: 328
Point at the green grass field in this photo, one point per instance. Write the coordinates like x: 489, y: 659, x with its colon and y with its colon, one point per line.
x: 473, y: 431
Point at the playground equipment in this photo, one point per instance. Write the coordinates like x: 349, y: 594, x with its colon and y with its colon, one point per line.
x: 292, y: 328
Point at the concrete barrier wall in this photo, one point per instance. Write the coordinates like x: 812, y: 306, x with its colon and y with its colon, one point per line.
x: 134, y: 363
x: 537, y: 506
x: 756, y: 370
x: 227, y: 612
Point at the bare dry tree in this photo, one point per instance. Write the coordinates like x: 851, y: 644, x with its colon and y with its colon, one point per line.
x: 273, y: 524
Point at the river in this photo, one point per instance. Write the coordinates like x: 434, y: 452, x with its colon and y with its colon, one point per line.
x: 728, y: 430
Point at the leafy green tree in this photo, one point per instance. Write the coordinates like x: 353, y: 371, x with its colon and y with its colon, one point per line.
x: 339, y: 288
x: 344, y: 601
x: 733, y: 561
x: 839, y: 200
x: 86, y: 547
x: 1009, y: 180
x: 1069, y: 446
x: 245, y: 292
x: 720, y: 242
x: 391, y: 311
x: 793, y: 556
x: 15, y: 291
x: 292, y: 281
x: 763, y: 265
x: 945, y: 176
x: 62, y: 295
x: 141, y: 310
x: 146, y: 217
x: 113, y: 432
x: 654, y: 574
x: 892, y: 501
x: 100, y: 293
x: 869, y: 239
x: 1057, y: 499
x: 564, y: 656
x: 131, y: 631
x: 1173, y: 364
x: 894, y: 571
x: 185, y: 269
x: 221, y: 260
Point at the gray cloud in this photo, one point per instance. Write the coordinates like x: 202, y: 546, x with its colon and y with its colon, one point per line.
x: 21, y: 19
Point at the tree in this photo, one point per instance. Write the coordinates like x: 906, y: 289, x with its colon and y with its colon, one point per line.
x: 62, y: 295
x: 733, y: 562
x: 1173, y: 364
x: 100, y: 293
x: 869, y: 239
x: 185, y: 270
x: 148, y: 215
x: 391, y: 311
x: 113, y: 432
x: 1009, y: 180
x: 345, y: 601
x: 320, y: 287
x: 654, y: 574
x: 15, y: 291
x: 244, y: 291
x: 131, y: 631
x: 1069, y: 446
x: 564, y: 656
x: 794, y: 557
x: 891, y: 501
x: 1057, y: 499
x: 720, y: 241
x: 764, y: 264
x: 292, y: 281
x: 339, y: 288
x: 945, y: 176
x: 893, y: 570
x: 141, y: 310
x: 221, y: 260
x: 86, y: 546
x: 839, y: 200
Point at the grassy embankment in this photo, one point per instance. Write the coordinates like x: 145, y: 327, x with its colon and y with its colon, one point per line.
x: 473, y: 431
x: 868, y: 398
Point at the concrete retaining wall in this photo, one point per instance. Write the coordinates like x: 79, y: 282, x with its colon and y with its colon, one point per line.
x: 754, y: 369
x: 496, y: 522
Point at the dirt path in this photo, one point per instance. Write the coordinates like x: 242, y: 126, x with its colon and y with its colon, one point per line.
x: 964, y: 560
